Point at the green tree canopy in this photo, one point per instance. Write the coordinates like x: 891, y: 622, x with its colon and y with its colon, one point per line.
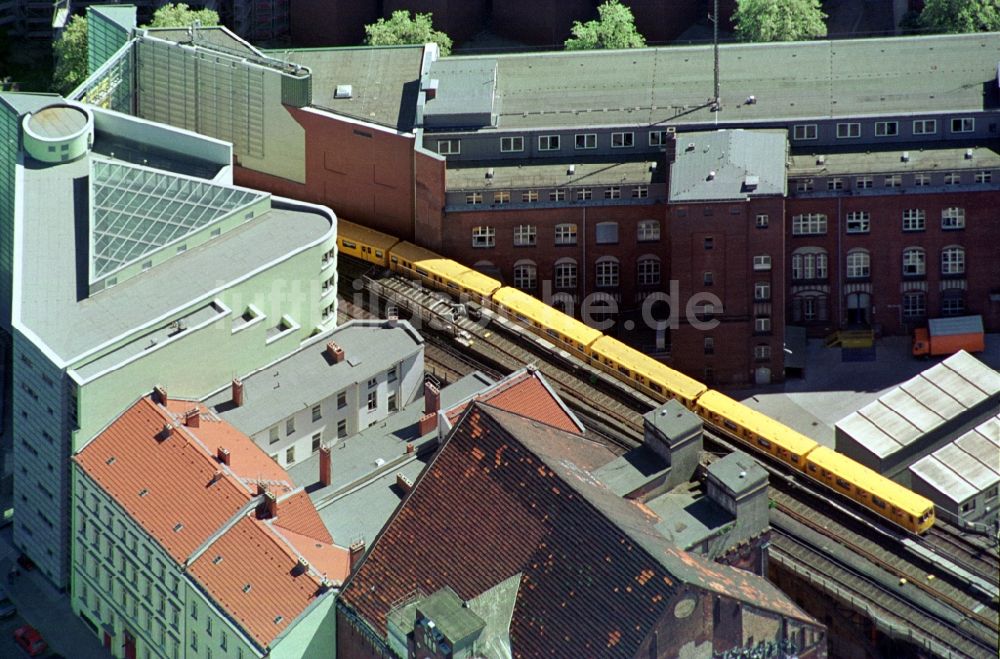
x: 779, y: 20
x: 401, y: 29
x: 615, y: 28
x: 71, y: 56
x: 960, y: 16
x: 181, y: 15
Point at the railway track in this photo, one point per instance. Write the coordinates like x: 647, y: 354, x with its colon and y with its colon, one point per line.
x: 976, y: 557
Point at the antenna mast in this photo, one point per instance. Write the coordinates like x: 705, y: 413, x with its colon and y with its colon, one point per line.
x: 716, y: 99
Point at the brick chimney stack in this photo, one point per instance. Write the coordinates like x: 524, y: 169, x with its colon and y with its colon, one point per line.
x: 268, y: 508
x: 325, y: 466
x: 357, y: 550
x: 192, y: 418
x: 334, y: 352
x: 432, y: 399
x: 403, y: 483
x: 428, y: 422
x: 223, y: 455
x: 237, y: 392
x: 160, y: 395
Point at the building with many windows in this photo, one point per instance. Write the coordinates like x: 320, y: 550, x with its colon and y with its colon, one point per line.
x: 133, y: 257
x: 214, y: 553
x: 552, y: 170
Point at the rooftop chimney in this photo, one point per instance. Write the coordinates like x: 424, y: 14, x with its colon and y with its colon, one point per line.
x: 237, y: 392
x: 301, y: 566
x: 334, y: 352
x: 160, y: 395
x: 192, y: 418
x: 428, y: 422
x: 432, y: 398
x: 165, y: 432
x: 268, y: 508
x: 403, y: 483
x: 357, y: 550
x: 325, y: 466
x: 223, y: 455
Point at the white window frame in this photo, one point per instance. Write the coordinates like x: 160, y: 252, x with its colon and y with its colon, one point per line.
x: 529, y: 196
x: 953, y: 260
x: 886, y: 128
x: 648, y: 231
x: 924, y: 126
x: 914, y: 262
x: 526, y: 276
x: 848, y: 130
x: 858, y: 222
x: 762, y: 291
x: 835, y: 183
x: 525, y: 235
x: 914, y: 219
x: 585, y: 141
x: 559, y: 194
x: 566, y: 274
x: 952, y: 218
x: 607, y: 272
x: 952, y: 178
x: 648, y: 271
x: 762, y: 220
x: 953, y: 306
x: 473, y: 198
x: 809, y: 224
x: 640, y: 192
x: 804, y: 185
x: 984, y: 176
x: 893, y: 180
x: 914, y: 304
x: 859, y: 264
x: 762, y: 325
x: 613, y: 192
x: 501, y: 197
x: 584, y: 194
x: 512, y: 144
x: 921, y: 180
x: 801, y: 132
x: 565, y: 234
x: 623, y: 140
x: 548, y: 142
x: 863, y: 182
x: 762, y: 352
x: 449, y: 147
x: 963, y: 125
x: 762, y: 262
x: 484, y: 237
x: 658, y: 137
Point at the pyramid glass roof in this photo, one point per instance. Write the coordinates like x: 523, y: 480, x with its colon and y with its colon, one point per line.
x: 137, y: 211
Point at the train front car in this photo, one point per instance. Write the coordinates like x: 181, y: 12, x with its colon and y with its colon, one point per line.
x: 652, y: 377
x: 364, y: 243
x: 882, y: 496
x: 757, y: 429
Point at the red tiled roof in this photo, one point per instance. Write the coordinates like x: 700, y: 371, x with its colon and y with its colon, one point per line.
x: 297, y: 513
x: 164, y: 484
x: 487, y: 508
x: 251, y: 554
x: 524, y: 394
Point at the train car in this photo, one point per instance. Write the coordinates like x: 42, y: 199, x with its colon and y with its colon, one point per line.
x: 756, y: 428
x: 565, y: 331
x: 418, y: 263
x: 884, y: 497
x: 650, y: 376
x: 364, y: 243
x: 477, y: 286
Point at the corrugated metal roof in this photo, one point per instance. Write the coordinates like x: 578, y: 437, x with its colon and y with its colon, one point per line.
x: 921, y: 404
x: 965, y: 467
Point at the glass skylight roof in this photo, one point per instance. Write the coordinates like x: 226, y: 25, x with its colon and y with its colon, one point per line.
x: 137, y: 211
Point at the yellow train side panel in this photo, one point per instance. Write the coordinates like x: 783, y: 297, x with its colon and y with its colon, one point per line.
x: 565, y: 329
x: 627, y: 362
x: 364, y: 243
x: 759, y: 429
x: 871, y: 489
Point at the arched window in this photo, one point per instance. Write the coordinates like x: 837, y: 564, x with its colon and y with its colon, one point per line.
x: 525, y: 275
x: 648, y: 231
x: 858, y: 264
x: 809, y: 263
x: 565, y: 271
x: 648, y: 270
x: 953, y: 260
x: 607, y: 271
x: 914, y: 261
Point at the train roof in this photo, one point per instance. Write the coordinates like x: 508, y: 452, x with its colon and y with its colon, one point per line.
x: 476, y: 281
x: 876, y: 484
x: 757, y: 422
x: 546, y: 316
x: 648, y: 367
x: 347, y: 230
x: 413, y: 253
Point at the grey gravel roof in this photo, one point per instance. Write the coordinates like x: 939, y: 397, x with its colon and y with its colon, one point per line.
x: 728, y: 164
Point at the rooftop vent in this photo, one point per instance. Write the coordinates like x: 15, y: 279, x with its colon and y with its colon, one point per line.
x: 334, y: 352
x: 652, y: 166
x: 820, y: 160
x: 751, y: 100
x: 690, y: 146
x: 711, y: 175
x: 344, y: 91
x: 571, y: 170
x: 751, y: 182
x: 489, y: 172
x: 968, y: 154
x: 905, y: 157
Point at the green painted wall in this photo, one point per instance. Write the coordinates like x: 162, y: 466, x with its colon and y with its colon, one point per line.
x: 104, y: 38
x: 8, y: 159
x: 313, y: 636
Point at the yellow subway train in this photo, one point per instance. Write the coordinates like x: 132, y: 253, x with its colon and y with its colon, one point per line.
x: 882, y: 496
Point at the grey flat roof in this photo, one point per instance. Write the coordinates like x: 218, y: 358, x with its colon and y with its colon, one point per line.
x: 889, y: 160
x: 628, y: 472
x: 384, y: 81
x: 964, y: 468
x: 23, y: 102
x: 921, y: 404
x: 304, y: 377
x: 465, y: 93
x: 58, y: 121
x: 738, y: 471
x: 728, y: 164
x: 942, y: 73
x: 532, y: 174
x: 69, y: 323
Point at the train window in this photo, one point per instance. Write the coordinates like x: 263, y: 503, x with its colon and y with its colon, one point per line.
x: 763, y: 442
x: 624, y: 370
x: 451, y: 285
x: 812, y: 468
x: 378, y: 253
x: 348, y: 244
x: 729, y: 424
x: 911, y: 518
x: 552, y: 333
x: 878, y: 502
x: 795, y: 458
x: 655, y: 387
x: 844, y: 484
x: 422, y: 273
x: 394, y: 259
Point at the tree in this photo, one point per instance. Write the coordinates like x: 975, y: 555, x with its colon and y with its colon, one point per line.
x: 71, y: 56
x: 402, y: 29
x: 960, y: 16
x: 779, y: 20
x: 614, y: 28
x: 181, y: 15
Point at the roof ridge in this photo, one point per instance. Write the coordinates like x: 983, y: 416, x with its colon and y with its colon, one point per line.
x: 288, y: 547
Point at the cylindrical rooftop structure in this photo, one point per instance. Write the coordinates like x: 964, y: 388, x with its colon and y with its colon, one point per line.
x: 58, y: 133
